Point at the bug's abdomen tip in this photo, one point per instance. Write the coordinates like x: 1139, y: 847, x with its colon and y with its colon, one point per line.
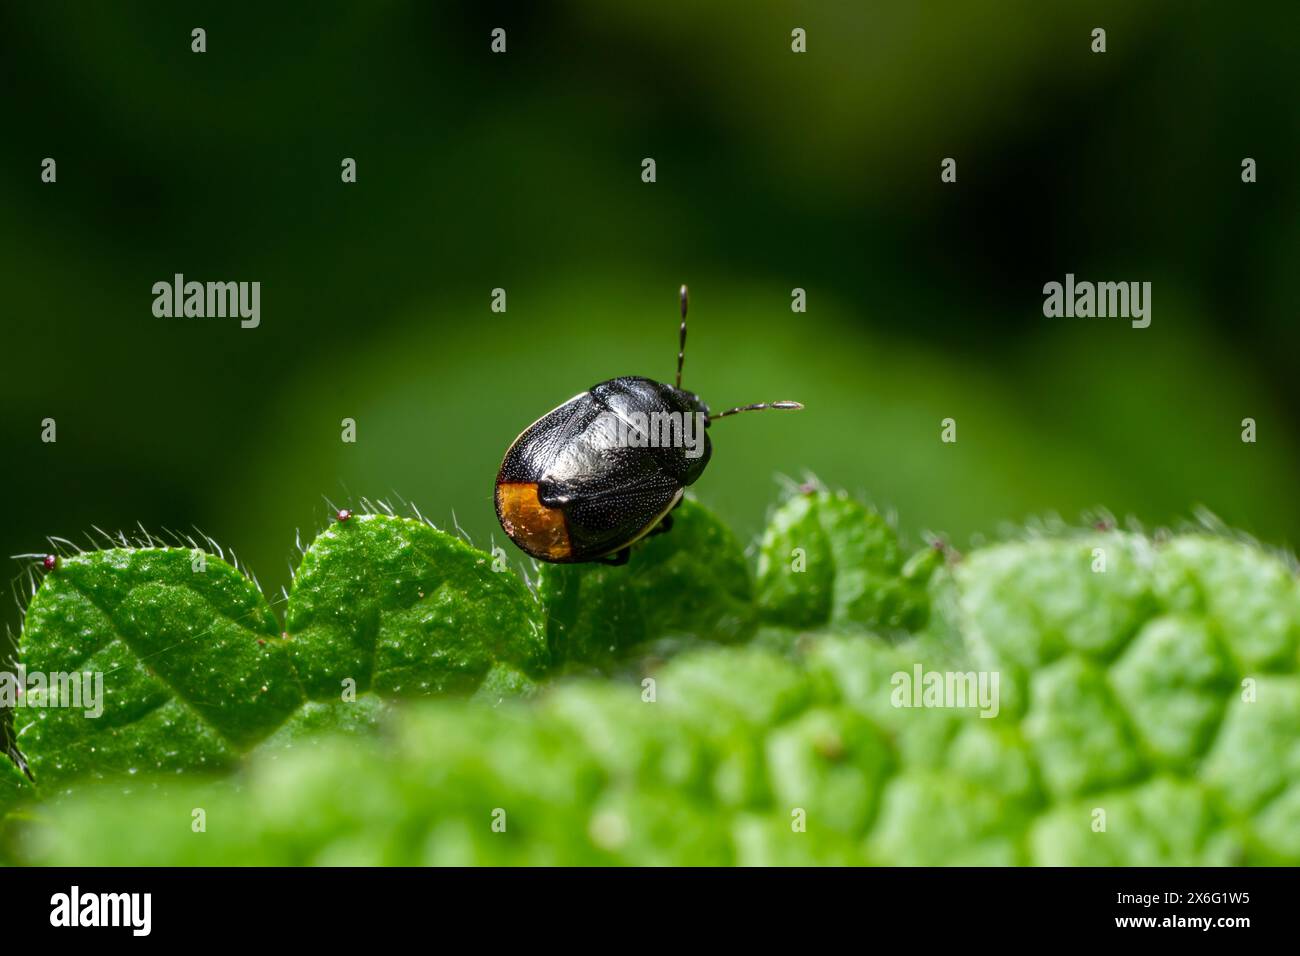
x: 537, y: 529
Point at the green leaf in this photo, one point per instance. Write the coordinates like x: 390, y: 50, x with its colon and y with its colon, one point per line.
x: 829, y: 561
x: 1253, y: 598
x: 1156, y: 683
x: 1173, y: 679
x: 187, y: 652
x: 406, y: 610
x: 14, y: 787
x: 194, y: 671
x: 654, y: 826
x: 1256, y: 756
x: 316, y: 718
x: 1077, y: 730
x: 831, y: 764
x: 1166, y: 822
x: 929, y: 819
x: 506, y: 682
x: 691, y: 584
x: 728, y: 697
x: 771, y: 840
x: 1144, y: 718
x: 859, y: 671
x: 428, y: 793
x: 630, y: 736
x: 1026, y: 604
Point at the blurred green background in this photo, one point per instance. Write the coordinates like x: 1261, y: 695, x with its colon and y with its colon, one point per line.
x: 522, y: 171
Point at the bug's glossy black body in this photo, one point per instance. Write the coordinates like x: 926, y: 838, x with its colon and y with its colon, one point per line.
x: 610, y: 493
x: 598, y: 473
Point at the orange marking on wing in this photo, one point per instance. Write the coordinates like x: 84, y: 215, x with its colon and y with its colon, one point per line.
x: 539, y: 530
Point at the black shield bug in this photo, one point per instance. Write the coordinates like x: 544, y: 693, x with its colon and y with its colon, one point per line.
x: 589, y: 479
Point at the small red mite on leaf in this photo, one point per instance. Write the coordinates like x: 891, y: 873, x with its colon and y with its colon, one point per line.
x: 343, y: 514
x: 50, y: 562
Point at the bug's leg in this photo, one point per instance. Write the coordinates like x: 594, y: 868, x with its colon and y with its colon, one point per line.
x: 665, y: 525
x: 617, y: 558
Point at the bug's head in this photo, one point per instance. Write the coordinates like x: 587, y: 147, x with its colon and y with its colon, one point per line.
x: 692, y: 403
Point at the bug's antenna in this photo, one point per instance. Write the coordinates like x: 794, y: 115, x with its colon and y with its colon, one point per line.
x: 681, y: 348
x: 757, y: 407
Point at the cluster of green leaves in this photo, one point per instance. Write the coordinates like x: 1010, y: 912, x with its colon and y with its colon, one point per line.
x: 197, y: 671
x: 677, y: 710
x: 198, y: 674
